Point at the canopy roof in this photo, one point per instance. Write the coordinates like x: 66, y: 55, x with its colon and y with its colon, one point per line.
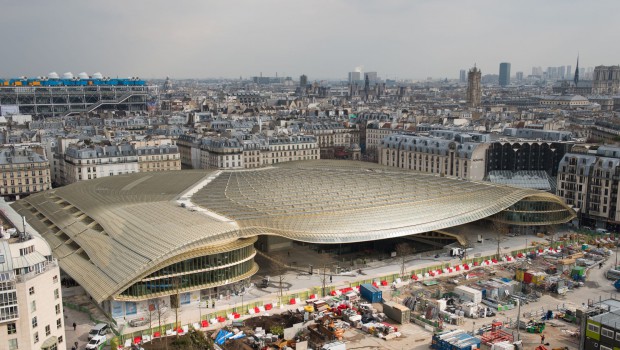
x: 110, y: 232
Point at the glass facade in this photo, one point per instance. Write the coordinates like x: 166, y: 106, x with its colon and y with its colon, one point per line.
x: 203, y: 271
x: 534, y: 211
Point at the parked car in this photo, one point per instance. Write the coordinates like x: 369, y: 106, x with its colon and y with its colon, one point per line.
x: 99, y: 329
x: 97, y: 342
x: 138, y: 322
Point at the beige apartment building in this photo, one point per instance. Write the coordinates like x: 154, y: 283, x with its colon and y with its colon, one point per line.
x: 23, y: 171
x: 588, y: 180
x: 158, y: 158
x: 434, y: 155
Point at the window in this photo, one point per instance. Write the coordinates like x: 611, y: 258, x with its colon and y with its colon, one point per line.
x: 59, y: 339
x: 605, y: 332
x: 26, y: 251
x: 31, y: 290
x: 603, y: 347
x: 56, y: 293
x: 11, y: 328
x: 36, y: 337
x: 57, y: 309
x: 55, y: 279
x: 34, y: 322
x: 33, y: 306
x: 47, y: 330
x: 593, y: 328
x: 13, y: 344
x: 58, y: 323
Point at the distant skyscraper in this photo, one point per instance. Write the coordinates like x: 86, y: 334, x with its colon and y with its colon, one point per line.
x: 372, y: 77
x: 519, y: 76
x: 303, y: 80
x: 504, y: 74
x: 474, y: 89
x: 561, y: 72
x: 355, y: 77
x: 569, y: 72
x: 463, y: 76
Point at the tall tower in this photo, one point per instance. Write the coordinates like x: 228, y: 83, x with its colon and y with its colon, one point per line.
x: 303, y: 81
x: 576, y: 77
x: 474, y: 89
x: 504, y: 74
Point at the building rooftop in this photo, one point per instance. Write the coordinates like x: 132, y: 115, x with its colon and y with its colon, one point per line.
x: 13, y: 155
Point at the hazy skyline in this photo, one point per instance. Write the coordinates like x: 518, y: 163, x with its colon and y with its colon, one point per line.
x: 323, y: 39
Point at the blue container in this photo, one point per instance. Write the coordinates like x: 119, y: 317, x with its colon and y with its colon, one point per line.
x: 371, y: 293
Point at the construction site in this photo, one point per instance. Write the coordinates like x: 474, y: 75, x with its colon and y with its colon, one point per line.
x: 519, y: 300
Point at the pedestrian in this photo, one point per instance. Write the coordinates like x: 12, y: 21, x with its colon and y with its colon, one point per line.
x: 213, y: 304
x: 74, y: 326
x: 330, y: 278
x: 289, y: 253
x: 73, y: 348
x: 76, y: 346
x: 542, y: 338
x: 600, y: 265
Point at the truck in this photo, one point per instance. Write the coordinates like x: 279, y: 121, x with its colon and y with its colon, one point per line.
x: 457, y: 251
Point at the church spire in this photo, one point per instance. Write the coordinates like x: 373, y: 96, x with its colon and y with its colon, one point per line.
x: 576, y: 78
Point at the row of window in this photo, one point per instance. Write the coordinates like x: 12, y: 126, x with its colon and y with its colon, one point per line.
x: 605, y: 332
x: 205, y: 262
x: 20, y: 189
x: 19, y: 173
x: 19, y: 182
x: 159, y: 165
x: 193, y: 280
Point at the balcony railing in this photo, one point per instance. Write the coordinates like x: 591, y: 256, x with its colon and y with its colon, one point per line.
x: 48, y: 266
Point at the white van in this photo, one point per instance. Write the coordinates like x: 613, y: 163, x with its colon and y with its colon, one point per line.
x: 602, y: 231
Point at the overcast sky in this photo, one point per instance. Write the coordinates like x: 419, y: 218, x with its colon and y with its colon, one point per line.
x: 321, y: 38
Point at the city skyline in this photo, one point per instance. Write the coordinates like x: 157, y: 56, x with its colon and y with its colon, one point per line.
x: 210, y: 40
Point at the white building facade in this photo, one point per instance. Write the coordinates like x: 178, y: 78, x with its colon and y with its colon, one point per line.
x: 31, y: 313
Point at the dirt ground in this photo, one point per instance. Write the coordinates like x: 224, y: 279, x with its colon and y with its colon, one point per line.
x: 284, y: 320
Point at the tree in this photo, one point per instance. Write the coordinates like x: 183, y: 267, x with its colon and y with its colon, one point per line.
x: 551, y: 231
x: 500, y: 230
x: 323, y: 277
x: 161, y: 312
x: 403, y: 250
x: 152, y: 311
x: 279, y: 269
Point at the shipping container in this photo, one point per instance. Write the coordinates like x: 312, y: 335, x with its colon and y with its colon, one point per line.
x: 468, y: 294
x: 397, y: 312
x: 371, y: 293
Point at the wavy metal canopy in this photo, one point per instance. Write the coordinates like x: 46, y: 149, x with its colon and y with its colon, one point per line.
x: 110, y: 232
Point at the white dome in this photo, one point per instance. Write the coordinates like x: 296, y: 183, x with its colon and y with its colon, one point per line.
x: 67, y: 75
x: 53, y: 75
x: 97, y: 76
x: 83, y: 75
